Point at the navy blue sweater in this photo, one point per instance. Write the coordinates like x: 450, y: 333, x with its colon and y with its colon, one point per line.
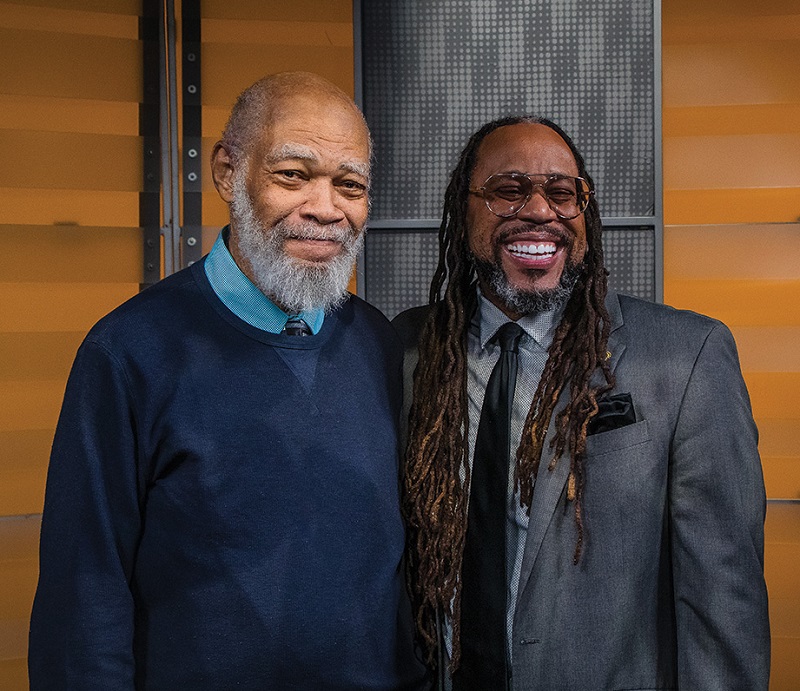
x: 222, y: 506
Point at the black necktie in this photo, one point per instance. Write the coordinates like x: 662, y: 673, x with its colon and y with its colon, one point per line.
x: 296, y: 327
x: 483, y: 572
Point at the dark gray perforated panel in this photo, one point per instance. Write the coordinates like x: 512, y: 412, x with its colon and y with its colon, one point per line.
x: 400, y: 265
x: 399, y: 268
x: 630, y: 258
x: 435, y: 70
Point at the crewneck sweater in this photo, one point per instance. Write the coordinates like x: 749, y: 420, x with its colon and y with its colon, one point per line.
x: 222, y: 505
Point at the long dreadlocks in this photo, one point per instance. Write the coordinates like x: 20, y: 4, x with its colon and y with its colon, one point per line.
x: 437, y: 475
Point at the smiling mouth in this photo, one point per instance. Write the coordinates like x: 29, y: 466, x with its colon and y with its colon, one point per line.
x: 299, y: 238
x: 537, y: 250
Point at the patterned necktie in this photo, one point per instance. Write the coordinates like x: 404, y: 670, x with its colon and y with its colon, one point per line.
x: 296, y: 327
x: 483, y: 572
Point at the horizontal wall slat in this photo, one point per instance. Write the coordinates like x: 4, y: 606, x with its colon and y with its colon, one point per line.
x: 691, y: 27
x: 781, y: 557
x: 68, y: 207
x: 61, y: 254
x: 30, y: 405
x: 215, y: 211
x: 740, y: 205
x: 68, y: 115
x: 724, y: 162
x: 19, y: 544
x: 26, y: 449
x: 785, y: 615
x: 48, y: 307
x: 92, y: 70
x: 756, y: 118
x: 313, y: 34
x: 14, y: 674
x: 230, y: 68
x: 774, y: 394
x: 22, y: 493
x: 737, y: 72
x: 785, y: 654
x: 727, y: 251
x: 37, y: 356
x: 768, y: 348
x: 69, y: 21
x: 214, y: 119
x: 71, y: 160
x: 116, y: 7
x: 782, y: 475
x: 295, y: 11
x: 738, y: 303
x: 778, y: 436
x: 713, y: 10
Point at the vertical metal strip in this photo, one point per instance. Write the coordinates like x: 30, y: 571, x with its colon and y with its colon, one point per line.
x: 150, y: 195
x: 163, y: 129
x: 192, y: 133
x: 169, y: 141
x: 175, y: 224
x: 658, y: 154
x: 358, y: 91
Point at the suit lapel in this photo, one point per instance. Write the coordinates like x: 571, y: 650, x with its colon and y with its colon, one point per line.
x: 549, y: 485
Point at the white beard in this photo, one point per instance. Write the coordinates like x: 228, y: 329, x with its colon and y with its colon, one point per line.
x: 296, y: 286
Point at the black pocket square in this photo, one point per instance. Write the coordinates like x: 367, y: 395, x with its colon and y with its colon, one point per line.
x: 612, y: 412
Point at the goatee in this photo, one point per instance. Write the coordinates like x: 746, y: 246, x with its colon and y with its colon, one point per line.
x: 522, y: 301
x: 293, y: 284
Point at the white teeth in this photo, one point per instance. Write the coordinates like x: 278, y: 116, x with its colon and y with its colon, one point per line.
x: 541, y: 250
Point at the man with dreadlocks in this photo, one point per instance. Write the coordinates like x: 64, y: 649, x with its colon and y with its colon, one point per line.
x: 624, y: 546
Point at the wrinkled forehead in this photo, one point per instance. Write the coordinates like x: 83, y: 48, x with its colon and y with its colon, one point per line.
x: 306, y: 127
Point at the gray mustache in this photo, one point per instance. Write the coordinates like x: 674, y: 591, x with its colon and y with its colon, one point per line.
x: 314, y: 232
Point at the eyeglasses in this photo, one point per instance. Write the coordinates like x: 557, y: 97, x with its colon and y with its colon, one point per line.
x: 506, y: 194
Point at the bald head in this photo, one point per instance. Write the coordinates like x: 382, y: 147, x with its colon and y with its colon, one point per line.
x: 277, y: 97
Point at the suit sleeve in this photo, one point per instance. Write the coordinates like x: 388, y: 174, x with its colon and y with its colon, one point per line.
x: 717, y: 510
x: 82, y: 624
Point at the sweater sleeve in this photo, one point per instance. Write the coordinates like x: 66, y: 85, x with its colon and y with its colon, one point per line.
x: 717, y: 508
x: 82, y: 623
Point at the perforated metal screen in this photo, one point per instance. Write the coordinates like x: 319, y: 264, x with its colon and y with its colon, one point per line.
x: 433, y: 71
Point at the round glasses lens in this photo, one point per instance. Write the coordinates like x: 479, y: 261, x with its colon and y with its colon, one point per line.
x: 506, y: 194
x: 565, y: 196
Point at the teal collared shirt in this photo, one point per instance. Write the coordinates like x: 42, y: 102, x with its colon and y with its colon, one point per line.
x: 240, y: 295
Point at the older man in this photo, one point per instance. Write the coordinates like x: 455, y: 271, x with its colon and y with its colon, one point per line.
x: 583, y: 487
x: 222, y: 506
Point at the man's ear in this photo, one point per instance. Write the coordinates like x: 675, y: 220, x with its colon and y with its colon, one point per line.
x: 222, y: 171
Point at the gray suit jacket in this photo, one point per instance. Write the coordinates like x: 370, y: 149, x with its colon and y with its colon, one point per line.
x: 669, y: 592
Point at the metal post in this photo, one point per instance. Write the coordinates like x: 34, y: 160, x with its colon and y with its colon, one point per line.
x: 192, y: 134
x: 169, y: 138
x: 150, y: 196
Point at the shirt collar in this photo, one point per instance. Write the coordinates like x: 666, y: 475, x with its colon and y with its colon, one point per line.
x: 540, y: 326
x: 240, y: 295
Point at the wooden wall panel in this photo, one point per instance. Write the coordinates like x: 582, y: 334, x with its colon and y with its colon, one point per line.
x: 731, y: 126
x: 48, y: 114
x: 68, y: 207
x: 27, y: 65
x: 70, y: 86
x: 781, y: 553
x: 70, y: 160
x: 19, y: 539
x: 71, y: 253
